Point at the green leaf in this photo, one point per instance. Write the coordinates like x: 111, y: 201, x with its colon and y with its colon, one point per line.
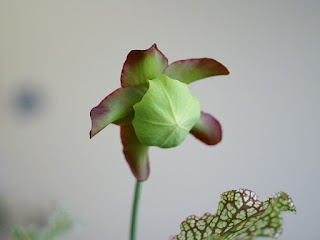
x: 58, y: 226
x: 115, y: 107
x: 190, y: 70
x: 240, y: 215
x: 166, y: 113
x: 141, y: 66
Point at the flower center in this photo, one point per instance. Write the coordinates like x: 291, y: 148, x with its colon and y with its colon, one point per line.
x: 166, y: 113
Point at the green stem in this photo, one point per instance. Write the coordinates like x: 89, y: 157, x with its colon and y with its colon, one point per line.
x: 134, y: 215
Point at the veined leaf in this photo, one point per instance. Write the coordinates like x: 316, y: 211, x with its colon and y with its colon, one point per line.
x: 240, y: 216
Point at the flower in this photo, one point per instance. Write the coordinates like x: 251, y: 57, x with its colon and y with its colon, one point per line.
x: 154, y: 106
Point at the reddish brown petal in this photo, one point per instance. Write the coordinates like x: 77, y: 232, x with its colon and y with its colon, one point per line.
x: 190, y: 70
x: 207, y: 129
x: 142, y: 65
x: 135, y: 153
x: 115, y: 107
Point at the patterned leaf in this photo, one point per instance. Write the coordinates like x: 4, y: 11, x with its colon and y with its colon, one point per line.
x: 240, y: 215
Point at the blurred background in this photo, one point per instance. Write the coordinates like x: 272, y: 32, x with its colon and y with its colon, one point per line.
x: 58, y: 59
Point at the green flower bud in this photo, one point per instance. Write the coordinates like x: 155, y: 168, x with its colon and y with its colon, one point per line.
x: 166, y: 113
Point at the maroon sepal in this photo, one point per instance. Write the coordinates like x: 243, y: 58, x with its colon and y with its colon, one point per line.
x: 194, y: 69
x: 115, y: 108
x: 135, y: 153
x: 207, y: 129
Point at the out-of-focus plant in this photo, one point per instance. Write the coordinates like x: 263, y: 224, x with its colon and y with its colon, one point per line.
x: 3, y: 216
x: 59, y: 225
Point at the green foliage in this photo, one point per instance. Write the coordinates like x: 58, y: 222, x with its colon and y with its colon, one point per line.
x: 240, y: 215
x: 166, y: 113
x: 59, y: 224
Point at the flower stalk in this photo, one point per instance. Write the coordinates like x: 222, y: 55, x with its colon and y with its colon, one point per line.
x: 135, y: 208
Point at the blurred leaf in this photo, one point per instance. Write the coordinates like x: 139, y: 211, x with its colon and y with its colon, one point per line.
x: 59, y: 224
x: 240, y: 215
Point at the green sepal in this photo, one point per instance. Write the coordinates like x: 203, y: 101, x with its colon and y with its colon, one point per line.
x: 166, y: 113
x: 141, y: 66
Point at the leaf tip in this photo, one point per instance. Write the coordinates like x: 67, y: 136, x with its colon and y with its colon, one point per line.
x: 91, y: 134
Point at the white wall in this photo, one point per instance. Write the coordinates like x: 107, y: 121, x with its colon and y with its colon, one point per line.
x: 71, y: 54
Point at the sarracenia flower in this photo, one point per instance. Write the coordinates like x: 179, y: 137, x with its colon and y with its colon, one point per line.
x: 154, y: 106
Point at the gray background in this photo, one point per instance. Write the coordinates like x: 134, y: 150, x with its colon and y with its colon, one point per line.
x: 70, y: 54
